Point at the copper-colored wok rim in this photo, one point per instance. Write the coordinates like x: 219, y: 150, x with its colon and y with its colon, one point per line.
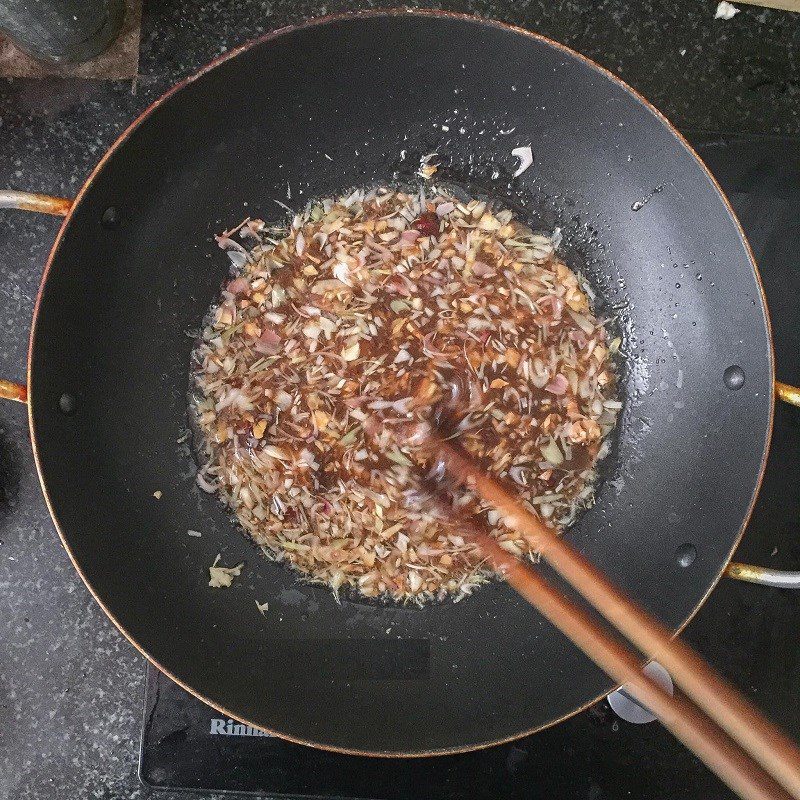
x: 332, y: 18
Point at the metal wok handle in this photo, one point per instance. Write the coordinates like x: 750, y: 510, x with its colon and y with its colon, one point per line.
x: 766, y: 576
x: 43, y: 204
x: 789, y: 394
x: 783, y: 579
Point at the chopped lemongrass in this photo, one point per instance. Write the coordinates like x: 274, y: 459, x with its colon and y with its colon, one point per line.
x: 222, y: 577
x: 398, y: 458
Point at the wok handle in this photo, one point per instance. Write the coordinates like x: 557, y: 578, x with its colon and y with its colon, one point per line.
x: 766, y: 576
x: 43, y: 204
x: 783, y: 579
x: 789, y: 394
x: 13, y: 391
x: 30, y: 201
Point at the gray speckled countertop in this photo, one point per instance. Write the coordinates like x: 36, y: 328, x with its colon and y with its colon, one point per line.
x: 70, y: 686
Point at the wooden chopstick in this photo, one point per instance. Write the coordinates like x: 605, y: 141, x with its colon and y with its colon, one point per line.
x: 778, y: 755
x: 737, y: 769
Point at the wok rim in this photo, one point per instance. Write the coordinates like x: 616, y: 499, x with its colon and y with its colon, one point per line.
x: 233, y: 53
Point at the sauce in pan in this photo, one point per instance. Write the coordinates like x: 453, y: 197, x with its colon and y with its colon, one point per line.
x: 366, y: 314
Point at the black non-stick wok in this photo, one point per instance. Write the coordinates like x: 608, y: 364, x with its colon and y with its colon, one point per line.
x: 310, y: 111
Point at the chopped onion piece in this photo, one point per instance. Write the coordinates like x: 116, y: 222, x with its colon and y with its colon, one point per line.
x: 205, y: 485
x: 525, y: 156
x: 726, y: 10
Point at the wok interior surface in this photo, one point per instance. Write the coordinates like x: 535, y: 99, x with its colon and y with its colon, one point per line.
x: 374, y: 93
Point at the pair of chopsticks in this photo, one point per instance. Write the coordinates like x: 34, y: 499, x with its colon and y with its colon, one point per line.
x: 735, y: 740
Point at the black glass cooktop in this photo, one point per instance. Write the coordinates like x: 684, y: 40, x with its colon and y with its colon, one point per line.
x: 748, y: 632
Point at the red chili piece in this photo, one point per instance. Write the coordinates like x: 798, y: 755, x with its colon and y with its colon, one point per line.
x: 427, y: 224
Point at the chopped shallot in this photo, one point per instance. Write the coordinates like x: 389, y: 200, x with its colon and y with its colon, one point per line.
x: 205, y: 485
x: 558, y: 385
x: 268, y: 343
x: 238, y: 286
x: 525, y: 156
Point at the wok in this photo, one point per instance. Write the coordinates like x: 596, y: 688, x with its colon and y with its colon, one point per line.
x: 310, y: 111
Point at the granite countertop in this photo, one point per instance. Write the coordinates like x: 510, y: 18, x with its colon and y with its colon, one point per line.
x: 70, y: 686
